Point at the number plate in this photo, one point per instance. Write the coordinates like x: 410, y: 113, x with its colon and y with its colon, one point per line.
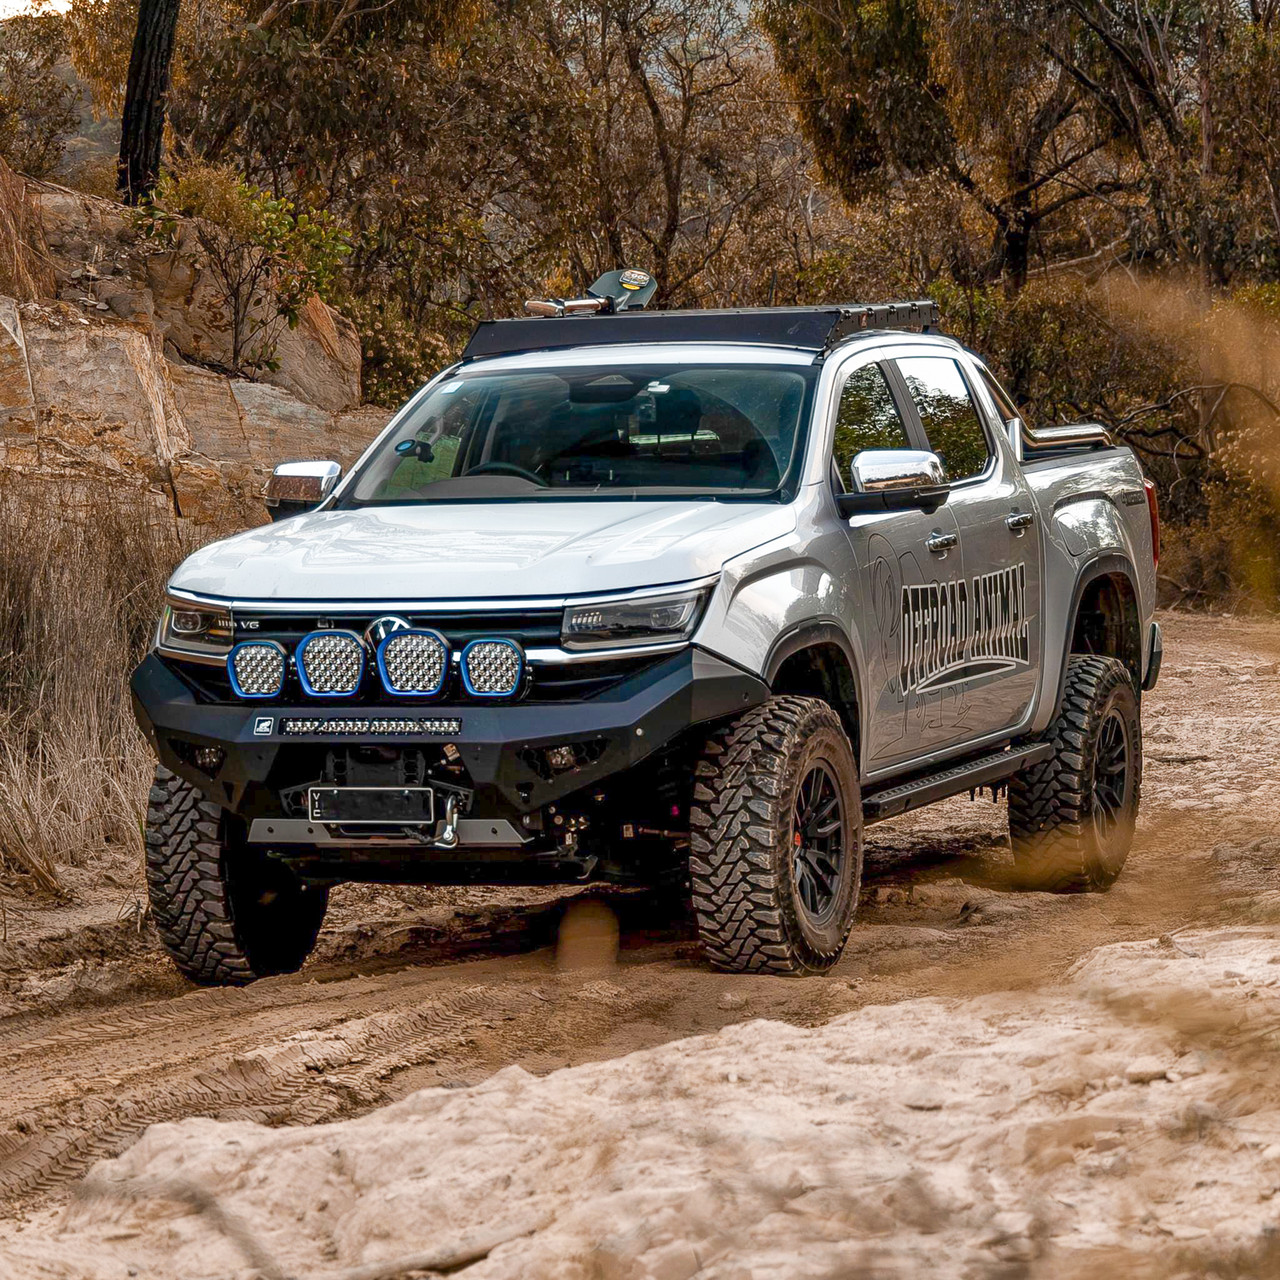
x: 380, y: 805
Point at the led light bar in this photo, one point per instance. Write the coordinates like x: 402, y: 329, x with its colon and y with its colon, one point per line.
x: 413, y: 663
x: 257, y: 668
x: 338, y: 726
x: 492, y: 668
x: 331, y: 663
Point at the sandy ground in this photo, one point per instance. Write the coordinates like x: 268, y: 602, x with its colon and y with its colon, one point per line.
x: 1126, y: 1124
x: 418, y: 988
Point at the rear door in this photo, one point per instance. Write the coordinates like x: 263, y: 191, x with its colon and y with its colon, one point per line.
x: 903, y: 560
x: 997, y: 575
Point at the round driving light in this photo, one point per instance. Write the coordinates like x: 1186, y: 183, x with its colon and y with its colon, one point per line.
x: 413, y: 662
x: 331, y: 663
x: 492, y: 668
x: 257, y: 668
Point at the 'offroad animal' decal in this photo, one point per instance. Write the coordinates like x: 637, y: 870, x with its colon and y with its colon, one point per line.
x: 962, y: 629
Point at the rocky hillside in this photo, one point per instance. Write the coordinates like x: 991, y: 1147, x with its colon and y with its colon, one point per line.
x: 110, y: 359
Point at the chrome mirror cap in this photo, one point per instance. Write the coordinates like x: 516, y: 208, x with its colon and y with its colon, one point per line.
x: 894, y: 470
x: 297, y: 486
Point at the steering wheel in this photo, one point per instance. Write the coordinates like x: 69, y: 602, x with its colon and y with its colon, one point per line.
x: 510, y: 469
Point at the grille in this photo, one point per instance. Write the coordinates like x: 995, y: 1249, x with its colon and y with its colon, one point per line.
x: 413, y: 662
x: 257, y: 668
x: 492, y: 668
x: 331, y: 663
x: 337, y: 726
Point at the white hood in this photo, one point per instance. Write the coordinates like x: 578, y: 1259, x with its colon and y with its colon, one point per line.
x: 480, y: 552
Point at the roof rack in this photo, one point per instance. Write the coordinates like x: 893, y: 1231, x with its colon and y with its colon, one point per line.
x: 817, y: 329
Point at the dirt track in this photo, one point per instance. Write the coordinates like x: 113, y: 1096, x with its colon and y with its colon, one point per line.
x: 414, y: 988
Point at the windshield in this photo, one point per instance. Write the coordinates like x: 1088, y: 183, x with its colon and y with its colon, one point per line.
x: 678, y: 429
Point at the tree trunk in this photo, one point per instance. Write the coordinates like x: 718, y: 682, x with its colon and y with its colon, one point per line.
x: 1017, y: 255
x: 142, y: 125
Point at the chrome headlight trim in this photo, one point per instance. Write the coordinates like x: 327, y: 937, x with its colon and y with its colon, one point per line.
x: 635, y: 621
x: 207, y: 631
x: 425, y: 605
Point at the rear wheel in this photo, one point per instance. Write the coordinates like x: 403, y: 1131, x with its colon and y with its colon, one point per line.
x: 1072, y: 818
x: 226, y: 913
x: 776, y: 858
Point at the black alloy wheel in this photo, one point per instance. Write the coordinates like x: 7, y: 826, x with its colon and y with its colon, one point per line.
x: 819, y: 864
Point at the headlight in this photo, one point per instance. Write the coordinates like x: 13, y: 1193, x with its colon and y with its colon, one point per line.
x: 201, y: 630
x: 656, y: 620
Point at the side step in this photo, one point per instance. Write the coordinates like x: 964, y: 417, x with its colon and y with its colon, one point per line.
x: 966, y: 776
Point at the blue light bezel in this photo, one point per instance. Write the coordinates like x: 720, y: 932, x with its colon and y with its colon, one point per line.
x: 413, y: 693
x: 466, y: 678
x: 300, y: 665
x: 260, y: 644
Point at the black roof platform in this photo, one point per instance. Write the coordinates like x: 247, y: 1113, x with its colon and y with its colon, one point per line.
x: 815, y: 329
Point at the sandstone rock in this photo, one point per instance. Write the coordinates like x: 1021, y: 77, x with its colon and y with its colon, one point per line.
x: 320, y: 359
x: 675, y: 1261
x: 1145, y: 1069
x: 102, y: 395
x: 95, y: 399
x: 17, y: 404
x: 112, y: 382
x: 90, y: 237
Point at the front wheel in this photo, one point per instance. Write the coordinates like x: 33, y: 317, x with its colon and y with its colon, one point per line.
x: 1072, y: 818
x: 776, y: 848
x: 226, y: 913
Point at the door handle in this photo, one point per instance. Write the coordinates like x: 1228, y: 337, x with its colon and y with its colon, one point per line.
x: 1020, y: 520
x: 941, y: 543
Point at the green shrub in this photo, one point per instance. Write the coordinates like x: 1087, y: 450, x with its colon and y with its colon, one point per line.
x: 266, y: 255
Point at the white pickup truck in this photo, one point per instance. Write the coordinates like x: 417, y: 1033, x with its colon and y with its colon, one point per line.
x: 638, y: 594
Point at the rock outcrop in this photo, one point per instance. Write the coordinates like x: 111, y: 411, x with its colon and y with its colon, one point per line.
x: 117, y: 378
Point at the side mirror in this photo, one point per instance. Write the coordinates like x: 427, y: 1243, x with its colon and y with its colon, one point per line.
x: 295, y: 487
x: 894, y: 479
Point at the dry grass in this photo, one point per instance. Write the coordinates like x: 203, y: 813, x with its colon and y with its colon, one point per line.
x: 25, y: 272
x: 81, y: 576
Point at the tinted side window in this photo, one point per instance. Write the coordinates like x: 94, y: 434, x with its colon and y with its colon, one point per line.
x: 866, y: 418
x: 947, y: 411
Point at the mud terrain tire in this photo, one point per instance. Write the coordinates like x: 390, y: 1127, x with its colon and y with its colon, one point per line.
x: 226, y: 913
x: 1072, y: 818
x: 776, y: 849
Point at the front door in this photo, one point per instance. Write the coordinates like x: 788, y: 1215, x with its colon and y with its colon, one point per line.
x: 904, y: 560
x: 997, y: 574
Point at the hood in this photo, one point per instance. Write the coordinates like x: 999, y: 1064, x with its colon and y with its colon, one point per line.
x: 481, y: 552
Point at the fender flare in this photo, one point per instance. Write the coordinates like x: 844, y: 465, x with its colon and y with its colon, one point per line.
x: 1100, y: 565
x: 807, y: 635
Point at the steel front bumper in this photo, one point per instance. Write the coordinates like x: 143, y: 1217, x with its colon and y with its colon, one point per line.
x: 499, y: 744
